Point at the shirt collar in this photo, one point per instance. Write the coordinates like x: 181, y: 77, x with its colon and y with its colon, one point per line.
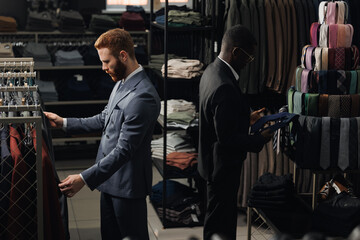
x: 139, y: 69
x: 236, y: 75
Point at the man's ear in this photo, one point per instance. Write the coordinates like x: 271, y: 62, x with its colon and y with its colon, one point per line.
x: 123, y: 56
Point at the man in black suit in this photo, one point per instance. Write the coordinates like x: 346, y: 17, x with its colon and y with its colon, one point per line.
x: 224, y: 126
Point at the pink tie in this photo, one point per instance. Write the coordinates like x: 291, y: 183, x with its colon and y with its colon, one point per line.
x: 340, y: 12
x: 349, y: 32
x: 314, y: 33
x: 331, y: 13
x: 333, y: 29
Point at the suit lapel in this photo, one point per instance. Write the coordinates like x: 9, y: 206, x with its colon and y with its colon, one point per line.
x: 121, y: 92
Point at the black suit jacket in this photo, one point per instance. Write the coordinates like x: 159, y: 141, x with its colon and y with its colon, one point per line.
x: 224, y: 123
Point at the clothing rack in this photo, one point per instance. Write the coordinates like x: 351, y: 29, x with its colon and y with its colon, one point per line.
x: 38, y: 187
x: 15, y: 220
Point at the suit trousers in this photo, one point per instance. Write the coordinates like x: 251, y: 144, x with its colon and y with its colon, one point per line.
x: 221, y: 213
x: 123, y: 217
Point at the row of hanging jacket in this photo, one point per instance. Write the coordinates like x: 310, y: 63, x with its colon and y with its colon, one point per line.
x: 19, y: 97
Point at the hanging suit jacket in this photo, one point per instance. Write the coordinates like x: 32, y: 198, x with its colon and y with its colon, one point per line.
x: 123, y: 165
x: 224, y: 123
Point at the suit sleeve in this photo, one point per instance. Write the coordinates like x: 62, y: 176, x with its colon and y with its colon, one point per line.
x: 85, y: 125
x: 140, y: 116
x: 231, y: 126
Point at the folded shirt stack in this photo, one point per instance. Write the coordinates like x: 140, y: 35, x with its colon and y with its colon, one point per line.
x: 101, y: 23
x: 40, y: 21
x: 68, y: 58
x: 7, y: 24
x: 6, y: 50
x: 132, y: 21
x: 156, y: 61
x: 71, y: 21
x: 183, y: 203
x: 272, y: 192
x: 184, y: 17
x: 180, y: 113
x: 175, y: 143
x: 183, y: 68
x: 39, y: 52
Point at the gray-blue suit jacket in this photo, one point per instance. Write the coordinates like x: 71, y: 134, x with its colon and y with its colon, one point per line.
x: 123, y: 165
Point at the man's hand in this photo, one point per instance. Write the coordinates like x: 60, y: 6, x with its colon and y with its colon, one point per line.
x: 267, y: 134
x: 71, y: 185
x: 55, y: 120
x: 256, y: 115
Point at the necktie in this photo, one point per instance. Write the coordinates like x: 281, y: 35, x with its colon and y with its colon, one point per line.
x: 290, y: 99
x: 303, y: 54
x: 322, y: 12
x: 353, y: 82
x: 314, y: 29
x: 331, y: 13
x: 298, y: 78
x: 325, y: 143
x: 304, y: 80
x: 318, y: 51
x: 355, y: 51
x: 331, y: 58
x: 333, y: 33
x: 355, y: 104
x: 343, y: 160
x: 313, y: 104
x: 334, y: 141
x: 323, y: 88
x: 358, y: 133
x: 358, y: 81
x: 345, y: 106
x: 324, y: 58
x: 340, y: 12
x: 348, y: 59
x: 323, y: 41
x: 345, y: 35
x: 334, y: 106
x: 339, y: 58
x: 341, y: 82
x: 323, y: 105
x: 353, y: 143
x: 298, y: 102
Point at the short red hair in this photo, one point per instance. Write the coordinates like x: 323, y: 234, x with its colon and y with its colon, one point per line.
x: 116, y: 40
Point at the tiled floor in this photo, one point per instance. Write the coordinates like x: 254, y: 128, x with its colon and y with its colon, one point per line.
x: 84, y: 213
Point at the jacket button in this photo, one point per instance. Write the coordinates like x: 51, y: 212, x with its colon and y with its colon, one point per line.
x: 107, y: 136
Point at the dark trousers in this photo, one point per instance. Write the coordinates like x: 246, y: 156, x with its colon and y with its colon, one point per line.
x: 221, y: 213
x: 123, y: 217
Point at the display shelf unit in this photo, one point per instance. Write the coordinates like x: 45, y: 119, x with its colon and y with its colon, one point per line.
x: 160, y: 164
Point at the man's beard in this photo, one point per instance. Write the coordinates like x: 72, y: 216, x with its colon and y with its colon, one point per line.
x: 119, y: 71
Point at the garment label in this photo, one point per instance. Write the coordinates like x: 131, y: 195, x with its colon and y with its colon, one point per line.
x: 78, y: 77
x: 194, y: 217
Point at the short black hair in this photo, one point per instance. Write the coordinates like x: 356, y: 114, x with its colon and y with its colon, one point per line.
x: 238, y: 36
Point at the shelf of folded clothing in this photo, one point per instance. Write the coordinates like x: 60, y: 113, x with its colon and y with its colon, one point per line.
x: 187, y: 28
x: 173, y: 172
x: 174, y: 128
x: 84, y: 102
x: 70, y: 67
x: 169, y: 224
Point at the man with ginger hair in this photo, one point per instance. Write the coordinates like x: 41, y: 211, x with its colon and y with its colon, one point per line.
x: 123, y: 168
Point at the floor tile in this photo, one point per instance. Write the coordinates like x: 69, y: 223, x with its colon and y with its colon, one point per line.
x: 89, y: 230
x: 86, y: 209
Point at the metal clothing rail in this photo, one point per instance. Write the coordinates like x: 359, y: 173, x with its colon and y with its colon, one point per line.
x: 19, y: 88
x: 17, y: 74
x: 39, y: 234
x: 15, y: 63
